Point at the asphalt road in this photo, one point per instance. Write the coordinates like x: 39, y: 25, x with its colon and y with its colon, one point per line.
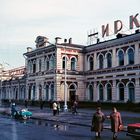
x: 11, y: 129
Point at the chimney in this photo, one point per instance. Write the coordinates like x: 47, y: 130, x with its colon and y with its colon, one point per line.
x: 70, y: 40
x: 65, y: 40
x: 29, y: 49
x: 56, y: 39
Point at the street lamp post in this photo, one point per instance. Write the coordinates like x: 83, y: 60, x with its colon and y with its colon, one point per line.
x: 65, y: 74
x: 65, y: 89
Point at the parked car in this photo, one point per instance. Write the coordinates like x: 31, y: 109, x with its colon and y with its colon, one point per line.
x: 23, y: 114
x: 134, y: 130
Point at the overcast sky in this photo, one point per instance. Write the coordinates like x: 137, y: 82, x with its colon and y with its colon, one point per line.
x: 21, y: 21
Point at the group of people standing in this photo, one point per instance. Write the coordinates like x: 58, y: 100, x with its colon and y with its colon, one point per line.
x: 99, y: 118
x: 56, y: 107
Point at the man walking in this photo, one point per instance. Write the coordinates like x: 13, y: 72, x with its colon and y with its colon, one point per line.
x: 97, y: 121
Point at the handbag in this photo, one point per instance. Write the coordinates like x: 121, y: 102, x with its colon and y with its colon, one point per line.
x: 121, y: 127
x: 92, y: 128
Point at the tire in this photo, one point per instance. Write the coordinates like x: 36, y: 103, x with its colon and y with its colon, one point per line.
x: 24, y: 117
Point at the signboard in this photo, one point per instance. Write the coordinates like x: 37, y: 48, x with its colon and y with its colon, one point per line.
x: 118, y: 25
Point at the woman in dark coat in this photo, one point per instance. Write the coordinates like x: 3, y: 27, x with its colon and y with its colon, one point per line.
x: 116, y: 121
x: 97, y: 121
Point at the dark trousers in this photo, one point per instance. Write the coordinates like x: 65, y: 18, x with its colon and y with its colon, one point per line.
x: 54, y: 112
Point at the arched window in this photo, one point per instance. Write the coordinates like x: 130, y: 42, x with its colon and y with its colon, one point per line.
x: 63, y: 62
x: 72, y: 93
x: 101, y: 97
x: 40, y: 92
x: 47, y: 92
x: 109, y: 92
x: 73, y: 63
x: 52, y: 62
x: 109, y: 60
x: 34, y: 92
x: 90, y: 62
x: 30, y: 66
x: 101, y: 62
x: 47, y: 64
x: 121, y: 92
x: 90, y: 92
x: 52, y: 91
x: 34, y: 66
x: 120, y: 58
x: 29, y: 92
x: 130, y: 56
x: 131, y: 92
x: 40, y: 64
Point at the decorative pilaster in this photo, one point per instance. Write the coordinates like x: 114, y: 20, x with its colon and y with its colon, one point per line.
x: 114, y: 58
x: 95, y: 61
x: 136, y: 58
x: 114, y: 92
x: 137, y: 90
x: 95, y: 93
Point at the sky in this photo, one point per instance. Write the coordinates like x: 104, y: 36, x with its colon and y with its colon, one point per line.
x: 21, y: 21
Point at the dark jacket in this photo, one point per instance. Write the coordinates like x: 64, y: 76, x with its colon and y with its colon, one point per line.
x: 97, y: 121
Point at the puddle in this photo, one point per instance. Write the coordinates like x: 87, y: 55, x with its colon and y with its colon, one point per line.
x: 52, y: 125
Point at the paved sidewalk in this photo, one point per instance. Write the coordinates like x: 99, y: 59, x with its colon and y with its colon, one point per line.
x: 83, y: 117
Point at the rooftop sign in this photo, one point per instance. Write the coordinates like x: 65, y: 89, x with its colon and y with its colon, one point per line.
x: 118, y: 25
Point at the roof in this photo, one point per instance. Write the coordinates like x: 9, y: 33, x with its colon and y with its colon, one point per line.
x: 114, y: 42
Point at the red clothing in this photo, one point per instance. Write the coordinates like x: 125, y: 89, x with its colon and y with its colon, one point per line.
x: 116, y: 121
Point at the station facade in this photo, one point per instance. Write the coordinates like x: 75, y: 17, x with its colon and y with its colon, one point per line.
x: 107, y: 71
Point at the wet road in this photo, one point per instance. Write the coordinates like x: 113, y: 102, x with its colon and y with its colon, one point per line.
x: 11, y: 129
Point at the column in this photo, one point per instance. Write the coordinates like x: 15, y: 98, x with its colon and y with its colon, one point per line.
x: 105, y: 62
x: 137, y: 90
x: 126, y: 96
x: 58, y: 91
x: 136, y: 57
x: 95, y: 61
x: 95, y: 93
x: 114, y: 92
x: 125, y: 59
x: 114, y: 58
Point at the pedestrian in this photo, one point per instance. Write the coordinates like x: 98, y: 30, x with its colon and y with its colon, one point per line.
x: 58, y: 107
x: 41, y: 104
x: 50, y: 103
x: 97, y: 122
x: 74, y: 107
x: 116, y: 122
x: 13, y: 109
x: 26, y: 103
x: 54, y: 108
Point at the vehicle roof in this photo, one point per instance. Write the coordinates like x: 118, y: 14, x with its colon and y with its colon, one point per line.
x: 135, y: 125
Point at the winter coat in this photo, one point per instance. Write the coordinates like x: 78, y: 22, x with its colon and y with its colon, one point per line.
x: 97, y: 121
x: 116, y: 121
